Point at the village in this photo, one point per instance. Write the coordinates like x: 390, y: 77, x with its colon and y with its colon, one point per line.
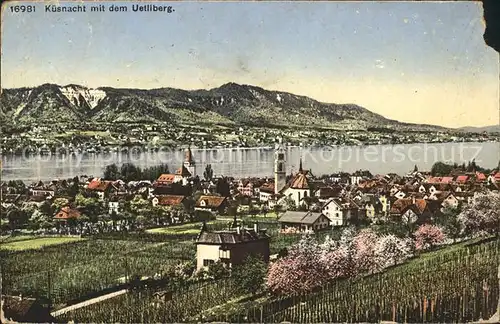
x: 234, y: 220
x: 300, y: 201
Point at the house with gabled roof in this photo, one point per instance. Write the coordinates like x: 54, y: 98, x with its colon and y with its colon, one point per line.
x: 410, y: 210
x: 462, y: 179
x: 102, y: 188
x: 212, y: 204
x: 41, y: 189
x: 341, y: 210
x: 66, y: 213
x: 266, y: 192
x: 168, y: 200
x: 304, y: 221
x: 231, y: 247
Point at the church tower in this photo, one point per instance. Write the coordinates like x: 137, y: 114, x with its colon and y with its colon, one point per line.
x: 279, y: 169
x: 189, y: 162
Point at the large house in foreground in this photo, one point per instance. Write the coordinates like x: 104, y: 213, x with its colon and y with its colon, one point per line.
x: 230, y: 247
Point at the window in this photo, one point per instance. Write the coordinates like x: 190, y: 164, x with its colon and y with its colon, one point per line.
x: 207, y: 262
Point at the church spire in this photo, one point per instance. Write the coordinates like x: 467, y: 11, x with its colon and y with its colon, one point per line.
x: 300, y: 166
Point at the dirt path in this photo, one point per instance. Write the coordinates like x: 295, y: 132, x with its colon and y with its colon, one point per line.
x: 88, y: 302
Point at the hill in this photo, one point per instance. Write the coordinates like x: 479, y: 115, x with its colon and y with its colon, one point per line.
x: 488, y: 129
x: 230, y: 103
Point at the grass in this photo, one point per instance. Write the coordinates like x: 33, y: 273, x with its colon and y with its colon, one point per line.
x: 190, y: 228
x: 22, y: 243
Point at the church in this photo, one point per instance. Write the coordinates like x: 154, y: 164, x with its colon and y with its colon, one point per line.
x: 183, y: 174
x: 298, y: 187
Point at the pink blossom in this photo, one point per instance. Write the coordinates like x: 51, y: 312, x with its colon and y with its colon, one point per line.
x: 427, y: 236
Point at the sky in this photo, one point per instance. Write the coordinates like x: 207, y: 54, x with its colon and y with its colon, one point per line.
x: 409, y: 61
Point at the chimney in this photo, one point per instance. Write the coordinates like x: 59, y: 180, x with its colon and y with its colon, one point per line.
x: 256, y: 227
x: 238, y: 230
x: 413, y: 200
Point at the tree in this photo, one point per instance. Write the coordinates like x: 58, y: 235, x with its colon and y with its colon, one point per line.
x: 139, y: 205
x: 277, y: 208
x: 129, y: 172
x: 442, y: 169
x: 222, y: 187
x: 17, y: 219
x: 300, y: 271
x: 482, y: 215
x: 392, y: 250
x: 365, y: 255
x: 450, y: 222
x: 208, y: 173
x: 249, y: 276
x: 59, y: 203
x: 111, y: 172
x: 427, y: 236
x: 217, y: 270
x: 289, y: 203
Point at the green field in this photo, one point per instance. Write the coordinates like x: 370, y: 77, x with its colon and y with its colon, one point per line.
x: 190, y: 228
x: 22, y: 243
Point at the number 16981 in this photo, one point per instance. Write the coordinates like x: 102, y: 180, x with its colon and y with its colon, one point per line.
x: 22, y: 8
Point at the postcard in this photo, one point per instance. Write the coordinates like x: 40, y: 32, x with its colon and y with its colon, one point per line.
x: 249, y: 162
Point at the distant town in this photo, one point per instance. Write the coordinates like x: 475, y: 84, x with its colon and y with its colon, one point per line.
x: 120, y: 137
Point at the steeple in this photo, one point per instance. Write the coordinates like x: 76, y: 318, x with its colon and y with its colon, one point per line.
x: 300, y: 166
x: 279, y: 169
x: 188, y: 156
x: 189, y: 161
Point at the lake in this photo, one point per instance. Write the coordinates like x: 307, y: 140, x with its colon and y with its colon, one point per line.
x: 244, y: 162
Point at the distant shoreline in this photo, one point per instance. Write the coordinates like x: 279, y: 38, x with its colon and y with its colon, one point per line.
x: 146, y: 149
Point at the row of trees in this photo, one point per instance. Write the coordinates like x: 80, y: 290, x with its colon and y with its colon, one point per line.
x: 130, y: 172
x: 310, y: 264
x: 445, y: 169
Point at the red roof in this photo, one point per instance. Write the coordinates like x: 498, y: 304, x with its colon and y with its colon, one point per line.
x: 67, y: 212
x: 462, y: 178
x: 440, y: 180
x: 166, y: 178
x: 401, y: 205
x: 497, y: 176
x: 210, y: 201
x: 170, y: 200
x: 299, y: 182
x: 98, y: 185
x: 267, y: 187
x: 480, y: 176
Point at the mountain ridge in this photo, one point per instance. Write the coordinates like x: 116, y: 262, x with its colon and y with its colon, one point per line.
x: 229, y: 103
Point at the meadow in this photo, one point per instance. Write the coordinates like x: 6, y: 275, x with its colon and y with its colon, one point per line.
x: 22, y: 243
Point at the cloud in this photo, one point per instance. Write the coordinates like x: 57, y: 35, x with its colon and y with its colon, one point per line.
x: 379, y: 64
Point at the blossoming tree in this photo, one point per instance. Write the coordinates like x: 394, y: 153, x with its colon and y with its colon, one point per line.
x: 427, y: 236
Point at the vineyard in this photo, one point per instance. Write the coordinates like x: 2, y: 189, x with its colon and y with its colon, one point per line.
x: 456, y: 286
x: 146, y: 307
x: 72, y: 271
